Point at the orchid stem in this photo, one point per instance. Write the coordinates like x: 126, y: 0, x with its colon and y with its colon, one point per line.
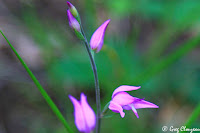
x: 97, y: 89
x: 40, y: 88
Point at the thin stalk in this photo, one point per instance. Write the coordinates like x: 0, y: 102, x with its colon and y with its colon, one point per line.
x: 40, y: 88
x: 97, y: 89
x: 105, y: 109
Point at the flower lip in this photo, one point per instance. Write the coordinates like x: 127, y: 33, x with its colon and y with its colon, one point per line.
x: 123, y: 98
x: 116, y: 108
x: 97, y: 39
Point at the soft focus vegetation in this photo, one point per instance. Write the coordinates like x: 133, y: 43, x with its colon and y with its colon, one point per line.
x: 151, y: 43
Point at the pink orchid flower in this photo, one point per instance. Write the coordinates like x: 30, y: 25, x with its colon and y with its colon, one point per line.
x: 85, y: 119
x: 97, y: 39
x: 122, y: 100
x: 73, y: 23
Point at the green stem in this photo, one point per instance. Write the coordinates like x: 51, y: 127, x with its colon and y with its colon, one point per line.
x: 40, y: 88
x: 97, y: 89
x: 105, y: 109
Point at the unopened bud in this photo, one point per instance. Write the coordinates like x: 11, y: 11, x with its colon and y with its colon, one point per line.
x: 97, y: 39
x: 73, y: 11
x: 74, y: 24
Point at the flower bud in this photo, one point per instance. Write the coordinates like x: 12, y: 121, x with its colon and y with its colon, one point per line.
x: 85, y: 119
x: 74, y: 24
x: 97, y: 39
x: 73, y: 11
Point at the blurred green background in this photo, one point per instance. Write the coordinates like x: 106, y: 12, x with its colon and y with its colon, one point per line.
x: 151, y: 43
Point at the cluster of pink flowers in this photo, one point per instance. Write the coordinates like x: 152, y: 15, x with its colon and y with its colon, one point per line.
x: 85, y: 118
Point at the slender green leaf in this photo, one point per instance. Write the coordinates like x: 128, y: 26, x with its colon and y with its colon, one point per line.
x: 40, y: 88
x: 158, y: 66
x: 195, y: 114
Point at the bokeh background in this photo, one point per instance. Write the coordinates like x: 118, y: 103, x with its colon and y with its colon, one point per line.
x: 151, y: 43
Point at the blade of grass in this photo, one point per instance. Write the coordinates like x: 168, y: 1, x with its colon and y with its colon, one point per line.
x: 195, y: 114
x: 40, y: 88
x: 159, y: 66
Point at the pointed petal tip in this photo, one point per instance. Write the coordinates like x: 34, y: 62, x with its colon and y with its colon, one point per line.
x: 136, y: 114
x: 73, y: 99
x: 122, y: 114
x: 156, y: 106
x: 70, y: 97
x: 83, y: 97
x: 105, y: 24
x: 108, y: 20
x: 82, y: 94
x: 144, y: 104
x: 69, y: 4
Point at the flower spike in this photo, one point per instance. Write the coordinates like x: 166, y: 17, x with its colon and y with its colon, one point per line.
x: 97, y: 39
x: 85, y: 119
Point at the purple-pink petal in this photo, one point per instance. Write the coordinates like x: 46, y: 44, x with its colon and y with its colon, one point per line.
x: 124, y: 88
x: 74, y: 24
x: 144, y: 104
x: 123, y: 98
x: 97, y: 39
x: 134, y: 110
x: 85, y: 118
x: 89, y: 114
x: 69, y: 4
x: 116, y: 108
x: 78, y: 114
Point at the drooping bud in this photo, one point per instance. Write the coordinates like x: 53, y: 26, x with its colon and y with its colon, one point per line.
x: 74, y: 24
x: 97, y: 39
x: 73, y: 11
